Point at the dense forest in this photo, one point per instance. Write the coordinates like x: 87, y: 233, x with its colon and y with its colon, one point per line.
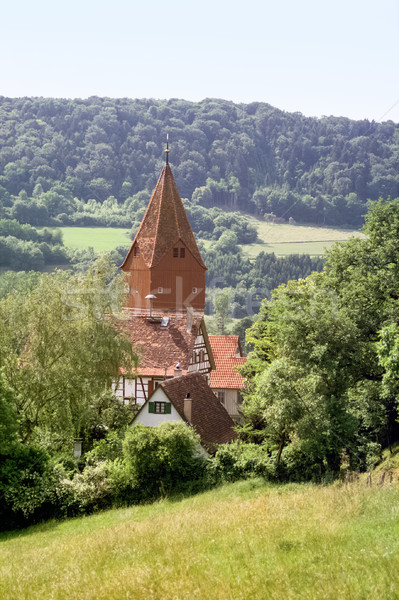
x: 95, y: 161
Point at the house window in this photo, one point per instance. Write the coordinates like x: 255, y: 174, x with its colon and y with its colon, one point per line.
x: 160, y: 290
x: 136, y: 251
x: 160, y: 408
x: 221, y: 396
x: 195, y: 290
x: 182, y: 252
x: 175, y: 252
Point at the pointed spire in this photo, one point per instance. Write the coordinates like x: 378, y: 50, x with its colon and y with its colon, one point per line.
x: 164, y: 224
x: 167, y: 149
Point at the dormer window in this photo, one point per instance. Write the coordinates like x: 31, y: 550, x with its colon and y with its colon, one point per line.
x: 182, y: 252
x: 136, y: 251
x: 175, y: 252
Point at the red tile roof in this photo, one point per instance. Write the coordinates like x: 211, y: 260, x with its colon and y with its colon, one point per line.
x: 159, y: 347
x: 208, y: 417
x: 164, y: 224
x: 224, y: 350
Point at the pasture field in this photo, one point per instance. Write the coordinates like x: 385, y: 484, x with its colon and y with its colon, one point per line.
x: 284, y: 239
x: 251, y: 251
x: 248, y: 540
x: 101, y: 239
x: 281, y: 239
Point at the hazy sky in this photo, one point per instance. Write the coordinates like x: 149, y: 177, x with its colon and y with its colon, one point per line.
x: 317, y: 57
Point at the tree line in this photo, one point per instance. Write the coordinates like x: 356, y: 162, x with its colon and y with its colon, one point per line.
x: 83, y: 161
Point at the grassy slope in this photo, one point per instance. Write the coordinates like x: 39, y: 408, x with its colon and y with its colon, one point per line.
x: 243, y: 541
x: 101, y: 239
x: 284, y: 239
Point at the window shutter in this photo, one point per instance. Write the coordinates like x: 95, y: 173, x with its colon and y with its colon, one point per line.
x: 151, y: 408
x: 168, y: 408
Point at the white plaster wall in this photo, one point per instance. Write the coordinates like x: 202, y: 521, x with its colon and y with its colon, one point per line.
x: 152, y: 419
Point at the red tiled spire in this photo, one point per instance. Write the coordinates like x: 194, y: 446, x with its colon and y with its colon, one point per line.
x: 164, y: 224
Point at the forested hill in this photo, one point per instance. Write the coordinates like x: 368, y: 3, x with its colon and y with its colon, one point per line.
x: 63, y: 158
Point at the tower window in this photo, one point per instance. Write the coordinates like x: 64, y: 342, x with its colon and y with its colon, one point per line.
x: 136, y: 251
x: 175, y: 252
x: 182, y: 252
x: 195, y: 290
x: 160, y: 290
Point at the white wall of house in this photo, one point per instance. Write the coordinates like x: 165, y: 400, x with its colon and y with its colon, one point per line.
x: 230, y: 400
x: 153, y: 419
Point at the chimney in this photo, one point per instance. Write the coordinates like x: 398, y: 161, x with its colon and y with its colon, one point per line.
x: 177, y: 370
x: 187, y: 407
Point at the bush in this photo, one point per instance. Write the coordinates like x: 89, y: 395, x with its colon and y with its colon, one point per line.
x: 88, y: 491
x: 31, y: 487
x: 110, y: 448
x: 240, y: 460
x: 163, y: 459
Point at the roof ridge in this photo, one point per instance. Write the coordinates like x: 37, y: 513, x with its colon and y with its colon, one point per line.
x: 159, y: 211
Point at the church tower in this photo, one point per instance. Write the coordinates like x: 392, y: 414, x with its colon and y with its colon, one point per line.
x: 164, y: 267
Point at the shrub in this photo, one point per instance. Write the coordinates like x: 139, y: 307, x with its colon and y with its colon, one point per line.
x: 88, y: 491
x: 240, y: 460
x: 109, y: 448
x: 163, y: 459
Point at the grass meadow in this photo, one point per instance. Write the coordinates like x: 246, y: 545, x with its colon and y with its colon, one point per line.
x: 101, y: 239
x: 244, y: 541
x: 284, y: 239
x: 281, y: 239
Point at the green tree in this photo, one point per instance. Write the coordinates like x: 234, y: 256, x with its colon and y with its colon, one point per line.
x: 320, y: 335
x: 59, y: 349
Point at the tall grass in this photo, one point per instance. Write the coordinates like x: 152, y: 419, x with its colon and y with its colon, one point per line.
x: 243, y: 541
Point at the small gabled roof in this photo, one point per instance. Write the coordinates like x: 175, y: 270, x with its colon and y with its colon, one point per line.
x: 208, y: 417
x: 164, y: 224
x: 226, y: 350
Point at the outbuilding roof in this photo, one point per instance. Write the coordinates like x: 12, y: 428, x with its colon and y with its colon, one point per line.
x: 227, y: 354
x: 164, y: 224
x: 208, y: 417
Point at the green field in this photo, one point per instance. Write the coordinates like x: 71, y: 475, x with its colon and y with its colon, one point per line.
x: 284, y: 239
x: 243, y: 541
x: 280, y: 239
x: 101, y: 239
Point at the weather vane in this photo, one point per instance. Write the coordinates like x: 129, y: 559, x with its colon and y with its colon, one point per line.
x: 167, y: 148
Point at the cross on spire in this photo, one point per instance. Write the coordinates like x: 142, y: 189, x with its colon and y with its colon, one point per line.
x: 167, y: 149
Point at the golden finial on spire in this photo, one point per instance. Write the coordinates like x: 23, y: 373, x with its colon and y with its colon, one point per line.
x: 167, y: 149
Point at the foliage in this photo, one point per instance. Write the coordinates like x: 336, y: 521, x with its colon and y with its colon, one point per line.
x: 314, y: 377
x: 239, y: 460
x: 8, y: 417
x: 59, y: 349
x: 388, y: 354
x: 87, y: 162
x: 162, y: 459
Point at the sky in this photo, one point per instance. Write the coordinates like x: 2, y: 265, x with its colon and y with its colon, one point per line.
x: 316, y: 57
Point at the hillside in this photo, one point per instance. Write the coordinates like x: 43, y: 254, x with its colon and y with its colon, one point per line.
x: 70, y: 161
x: 244, y: 540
